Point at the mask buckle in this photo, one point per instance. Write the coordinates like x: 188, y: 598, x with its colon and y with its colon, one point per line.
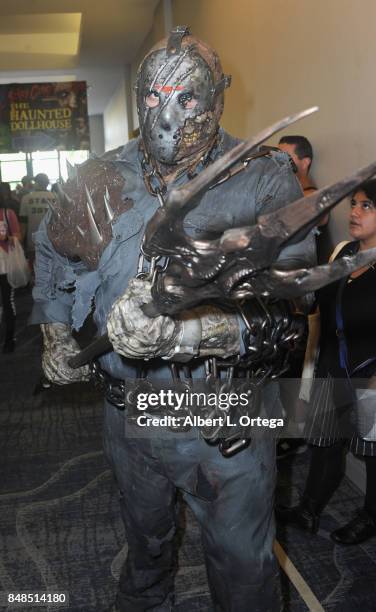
x: 175, y: 40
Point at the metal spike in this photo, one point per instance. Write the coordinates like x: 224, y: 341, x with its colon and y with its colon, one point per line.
x: 107, y: 207
x: 65, y: 199
x: 55, y: 212
x: 60, y: 191
x: 90, y: 200
x: 71, y: 170
x: 69, y: 200
x: 94, y: 234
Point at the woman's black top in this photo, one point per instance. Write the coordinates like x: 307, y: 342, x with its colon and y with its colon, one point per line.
x: 359, y: 322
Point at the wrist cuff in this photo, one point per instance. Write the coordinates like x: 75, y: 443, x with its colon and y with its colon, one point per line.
x: 189, y: 341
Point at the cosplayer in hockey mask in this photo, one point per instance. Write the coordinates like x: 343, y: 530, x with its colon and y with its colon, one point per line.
x: 179, y: 88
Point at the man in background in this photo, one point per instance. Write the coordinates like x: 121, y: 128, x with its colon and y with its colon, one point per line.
x: 34, y: 206
x: 300, y: 150
x: 25, y: 187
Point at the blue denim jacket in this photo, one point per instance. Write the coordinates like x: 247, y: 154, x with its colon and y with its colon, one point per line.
x: 65, y: 291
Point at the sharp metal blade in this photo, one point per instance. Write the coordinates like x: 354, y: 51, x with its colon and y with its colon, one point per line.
x: 303, y: 214
x: 179, y: 198
x: 186, y: 196
x: 294, y: 283
x: 262, y: 242
x: 94, y: 235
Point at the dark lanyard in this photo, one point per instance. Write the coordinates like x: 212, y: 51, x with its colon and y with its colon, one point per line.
x: 342, y: 344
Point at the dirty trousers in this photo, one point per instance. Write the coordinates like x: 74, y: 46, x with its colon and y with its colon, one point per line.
x: 232, y: 500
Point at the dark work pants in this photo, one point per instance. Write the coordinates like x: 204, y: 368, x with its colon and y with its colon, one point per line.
x: 9, y: 312
x: 232, y: 499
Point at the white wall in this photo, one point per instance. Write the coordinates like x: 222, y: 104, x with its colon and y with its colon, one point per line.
x: 156, y: 33
x: 96, y: 134
x: 285, y: 55
x: 115, y: 118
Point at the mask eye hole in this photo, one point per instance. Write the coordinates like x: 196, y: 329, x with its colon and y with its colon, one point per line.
x: 187, y: 100
x: 152, y: 99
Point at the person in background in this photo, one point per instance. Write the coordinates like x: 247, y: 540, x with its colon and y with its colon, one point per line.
x: 354, y: 303
x: 9, y: 230
x: 9, y: 200
x: 26, y: 186
x: 34, y: 206
x: 300, y: 150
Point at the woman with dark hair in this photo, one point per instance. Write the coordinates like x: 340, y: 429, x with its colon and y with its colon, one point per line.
x: 9, y: 231
x: 347, y: 362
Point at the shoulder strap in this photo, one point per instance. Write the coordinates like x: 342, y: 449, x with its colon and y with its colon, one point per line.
x: 342, y: 344
x: 344, y: 248
x: 338, y: 249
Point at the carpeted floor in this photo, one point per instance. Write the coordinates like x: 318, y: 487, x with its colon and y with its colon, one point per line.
x: 60, y: 526
x: 342, y: 578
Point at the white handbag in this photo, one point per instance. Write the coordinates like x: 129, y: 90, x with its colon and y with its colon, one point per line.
x: 366, y: 414
x: 18, y: 271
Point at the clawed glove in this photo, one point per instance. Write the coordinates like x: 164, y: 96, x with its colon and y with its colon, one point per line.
x: 135, y: 335
x: 59, y: 346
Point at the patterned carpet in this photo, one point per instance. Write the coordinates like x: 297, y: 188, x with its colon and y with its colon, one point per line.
x: 342, y: 578
x: 60, y: 526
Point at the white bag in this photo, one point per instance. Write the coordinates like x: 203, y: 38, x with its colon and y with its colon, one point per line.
x: 366, y: 414
x: 18, y: 272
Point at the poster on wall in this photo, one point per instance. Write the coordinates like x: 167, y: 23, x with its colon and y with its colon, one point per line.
x: 44, y: 117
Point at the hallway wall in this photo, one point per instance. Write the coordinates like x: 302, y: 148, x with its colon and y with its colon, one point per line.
x: 96, y: 134
x: 285, y: 55
x: 115, y: 118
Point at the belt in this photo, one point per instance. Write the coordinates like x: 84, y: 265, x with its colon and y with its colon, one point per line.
x: 117, y: 394
x: 114, y: 388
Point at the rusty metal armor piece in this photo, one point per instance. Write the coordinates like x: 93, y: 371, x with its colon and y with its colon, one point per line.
x: 89, y: 204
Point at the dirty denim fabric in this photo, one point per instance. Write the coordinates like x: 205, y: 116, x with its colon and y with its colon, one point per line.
x: 65, y: 291
x: 236, y: 519
x: 230, y: 498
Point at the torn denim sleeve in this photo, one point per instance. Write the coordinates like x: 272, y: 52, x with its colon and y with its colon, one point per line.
x: 277, y: 188
x: 63, y: 290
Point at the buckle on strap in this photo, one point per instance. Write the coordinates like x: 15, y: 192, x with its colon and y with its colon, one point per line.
x: 229, y: 447
x: 113, y: 388
x: 175, y: 39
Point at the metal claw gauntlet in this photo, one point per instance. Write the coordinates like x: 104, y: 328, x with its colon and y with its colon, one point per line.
x: 135, y: 335
x: 59, y: 347
x: 203, y: 331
